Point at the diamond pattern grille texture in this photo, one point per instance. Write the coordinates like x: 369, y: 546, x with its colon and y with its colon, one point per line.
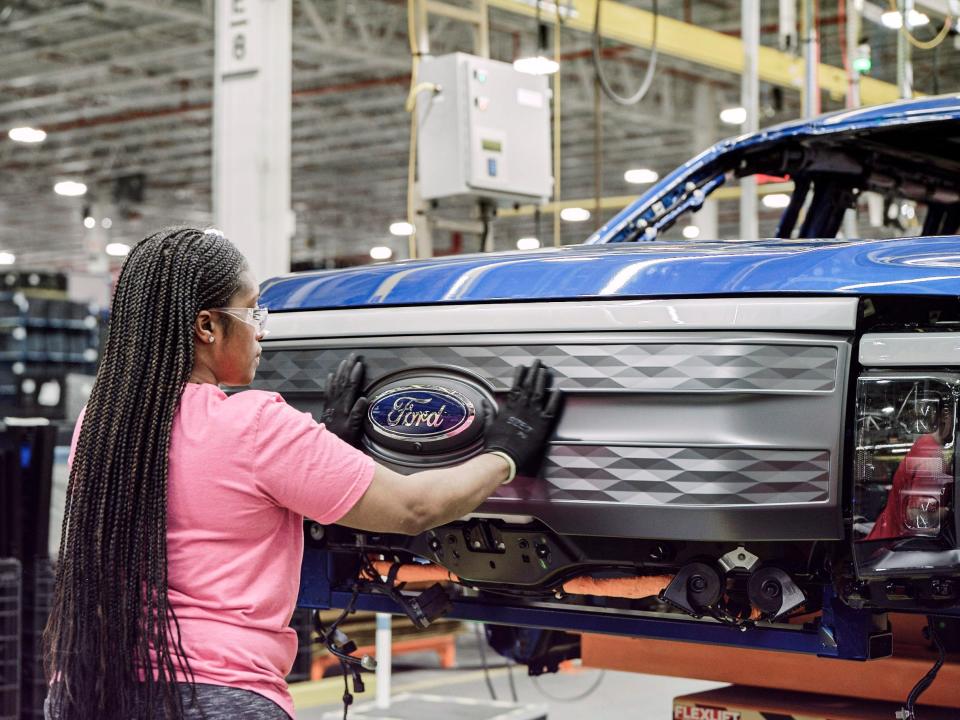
x: 630, y: 475
x: 654, y: 367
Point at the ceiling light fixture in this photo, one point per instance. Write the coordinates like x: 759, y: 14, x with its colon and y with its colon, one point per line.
x: 27, y: 135
x: 776, y: 201
x: 89, y: 222
x: 381, y: 252
x: 536, y: 65
x: 691, y: 232
x: 70, y: 188
x: 575, y: 214
x: 7, y: 258
x: 117, y: 249
x: 401, y: 228
x: 106, y: 223
x: 528, y: 243
x: 640, y: 176
x: 538, y: 62
x: 733, y: 115
x: 894, y: 20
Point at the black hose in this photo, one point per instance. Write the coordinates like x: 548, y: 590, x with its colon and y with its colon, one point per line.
x: 909, y: 713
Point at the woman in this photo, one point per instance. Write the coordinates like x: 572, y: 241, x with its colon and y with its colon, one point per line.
x: 182, y: 534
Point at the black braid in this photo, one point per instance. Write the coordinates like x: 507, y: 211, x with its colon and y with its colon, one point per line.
x: 113, y: 641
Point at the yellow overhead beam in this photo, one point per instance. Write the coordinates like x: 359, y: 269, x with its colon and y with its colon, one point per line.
x: 633, y: 26
x: 618, y: 202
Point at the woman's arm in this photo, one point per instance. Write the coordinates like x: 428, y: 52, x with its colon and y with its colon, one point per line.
x: 410, y: 504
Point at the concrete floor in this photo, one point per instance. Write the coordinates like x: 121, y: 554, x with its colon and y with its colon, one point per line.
x: 617, y: 697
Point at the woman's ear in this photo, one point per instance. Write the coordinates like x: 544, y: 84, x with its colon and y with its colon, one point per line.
x: 203, y: 327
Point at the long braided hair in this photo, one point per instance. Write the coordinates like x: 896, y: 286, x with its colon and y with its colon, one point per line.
x: 112, y: 642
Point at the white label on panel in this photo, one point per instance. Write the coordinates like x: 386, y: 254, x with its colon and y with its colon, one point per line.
x: 529, y: 98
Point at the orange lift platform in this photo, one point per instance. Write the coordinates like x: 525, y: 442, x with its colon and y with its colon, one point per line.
x: 889, y: 679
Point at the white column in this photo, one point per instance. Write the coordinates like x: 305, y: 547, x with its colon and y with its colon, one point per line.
x: 251, y: 131
x: 811, y: 62
x: 850, y: 226
x: 904, y: 64
x: 384, y: 650
x: 750, y: 99
x: 705, y: 135
x: 853, y: 47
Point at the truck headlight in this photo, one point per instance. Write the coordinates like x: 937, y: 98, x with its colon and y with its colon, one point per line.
x: 904, y: 474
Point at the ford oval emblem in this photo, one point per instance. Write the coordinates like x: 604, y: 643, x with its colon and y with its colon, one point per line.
x: 421, y: 412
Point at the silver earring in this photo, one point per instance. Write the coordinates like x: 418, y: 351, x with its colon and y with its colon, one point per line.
x: 210, y: 339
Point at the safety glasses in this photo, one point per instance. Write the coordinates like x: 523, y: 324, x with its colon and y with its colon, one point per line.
x: 256, y: 316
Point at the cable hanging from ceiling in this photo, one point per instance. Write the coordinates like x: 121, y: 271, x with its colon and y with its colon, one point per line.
x: 923, y: 44
x: 651, y: 67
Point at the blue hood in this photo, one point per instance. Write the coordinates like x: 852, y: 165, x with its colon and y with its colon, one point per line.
x: 915, y: 266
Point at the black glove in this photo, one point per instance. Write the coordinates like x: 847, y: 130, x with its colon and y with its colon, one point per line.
x: 527, y: 418
x: 345, y: 408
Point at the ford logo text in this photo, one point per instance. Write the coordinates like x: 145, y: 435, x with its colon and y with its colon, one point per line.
x: 421, y: 413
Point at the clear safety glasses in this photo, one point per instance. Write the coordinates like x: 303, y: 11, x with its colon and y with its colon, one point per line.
x: 256, y: 316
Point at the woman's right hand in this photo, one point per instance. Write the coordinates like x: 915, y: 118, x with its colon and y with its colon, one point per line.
x: 346, y: 408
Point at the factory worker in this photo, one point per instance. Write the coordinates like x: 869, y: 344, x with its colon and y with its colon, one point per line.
x: 182, y: 536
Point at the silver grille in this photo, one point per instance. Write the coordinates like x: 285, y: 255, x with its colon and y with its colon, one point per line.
x: 678, y: 367
x: 634, y: 475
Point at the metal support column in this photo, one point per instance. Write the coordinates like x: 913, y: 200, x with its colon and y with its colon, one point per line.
x: 384, y: 651
x: 251, y: 130
x: 811, y: 61
x: 705, y: 135
x: 422, y: 241
x: 750, y: 99
x: 904, y: 64
x: 854, y: 9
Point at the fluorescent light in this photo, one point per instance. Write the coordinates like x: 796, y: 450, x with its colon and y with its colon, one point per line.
x: 691, y: 231
x: 89, y: 223
x: 27, y: 135
x: 734, y: 115
x: 640, y: 176
x: 70, y: 188
x: 528, y: 243
x: 401, y: 228
x: 536, y: 65
x: 894, y: 20
x: 7, y: 258
x: 117, y: 249
x: 776, y: 200
x: 381, y: 252
x: 574, y: 214
x: 106, y: 223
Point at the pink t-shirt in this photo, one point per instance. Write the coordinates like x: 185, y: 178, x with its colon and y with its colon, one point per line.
x: 244, y: 471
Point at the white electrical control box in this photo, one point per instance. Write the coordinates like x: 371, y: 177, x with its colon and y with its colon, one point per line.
x: 485, y: 132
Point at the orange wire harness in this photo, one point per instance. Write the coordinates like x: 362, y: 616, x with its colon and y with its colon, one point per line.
x: 629, y: 587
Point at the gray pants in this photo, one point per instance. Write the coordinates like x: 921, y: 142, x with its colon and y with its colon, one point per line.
x: 217, y: 703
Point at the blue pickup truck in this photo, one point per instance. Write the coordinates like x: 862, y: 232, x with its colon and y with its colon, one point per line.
x: 767, y: 427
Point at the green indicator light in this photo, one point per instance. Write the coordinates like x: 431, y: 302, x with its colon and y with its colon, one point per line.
x: 862, y: 65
